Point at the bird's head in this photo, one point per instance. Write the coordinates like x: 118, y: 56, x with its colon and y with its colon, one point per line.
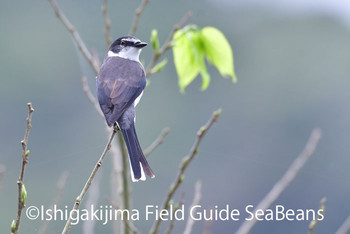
x: 127, y: 47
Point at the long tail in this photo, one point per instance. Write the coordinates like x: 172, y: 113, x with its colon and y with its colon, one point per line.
x: 138, y: 161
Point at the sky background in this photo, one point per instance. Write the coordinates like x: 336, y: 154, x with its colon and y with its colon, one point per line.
x: 292, y: 64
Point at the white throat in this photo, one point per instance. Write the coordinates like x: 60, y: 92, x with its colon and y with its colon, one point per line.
x: 130, y: 53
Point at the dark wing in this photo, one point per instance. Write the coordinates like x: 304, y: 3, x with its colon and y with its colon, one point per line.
x: 119, y: 83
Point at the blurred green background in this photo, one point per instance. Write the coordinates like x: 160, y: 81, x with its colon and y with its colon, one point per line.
x: 292, y: 64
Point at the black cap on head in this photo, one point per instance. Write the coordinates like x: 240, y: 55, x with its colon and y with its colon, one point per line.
x: 124, y: 41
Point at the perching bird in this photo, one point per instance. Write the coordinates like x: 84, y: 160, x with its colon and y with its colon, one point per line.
x: 120, y: 83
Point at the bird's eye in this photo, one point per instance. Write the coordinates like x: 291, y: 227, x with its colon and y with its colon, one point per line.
x: 123, y: 43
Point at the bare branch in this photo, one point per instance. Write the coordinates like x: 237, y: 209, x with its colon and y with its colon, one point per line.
x: 184, y: 164
x: 92, y: 199
x: 90, y: 96
x: 313, y: 223
x: 76, y: 37
x: 2, y: 172
x: 196, y: 199
x: 167, y: 44
x: 60, y: 186
x: 125, y: 172
x: 345, y: 227
x: 172, y: 221
x: 286, y: 179
x: 116, y: 183
x: 107, y: 22
x: 126, y: 221
x: 88, y: 182
x: 25, y: 154
x: 96, y: 57
x: 157, y: 142
x: 138, y: 13
x: 208, y: 226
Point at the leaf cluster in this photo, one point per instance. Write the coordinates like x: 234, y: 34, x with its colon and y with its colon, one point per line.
x: 192, y: 46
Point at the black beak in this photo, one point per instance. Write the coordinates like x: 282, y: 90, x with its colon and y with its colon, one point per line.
x: 140, y: 44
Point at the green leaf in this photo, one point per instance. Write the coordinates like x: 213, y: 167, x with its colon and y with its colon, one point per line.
x: 205, y: 79
x: 13, y: 226
x: 154, y: 39
x: 186, y: 65
x: 218, y: 51
x: 188, y: 57
x: 27, y: 153
x: 159, y: 66
x: 24, y: 194
x: 198, y: 50
x: 203, y: 71
x: 192, y: 45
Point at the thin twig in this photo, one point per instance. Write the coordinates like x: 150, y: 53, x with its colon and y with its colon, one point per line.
x: 88, y: 182
x: 167, y: 44
x: 60, y: 186
x: 92, y: 198
x: 172, y: 221
x: 95, y: 57
x: 76, y: 37
x: 25, y: 155
x: 125, y: 217
x: 138, y: 13
x: 286, y: 179
x: 184, y: 164
x: 320, y: 216
x: 345, y: 227
x: 157, y: 142
x: 2, y: 173
x: 125, y: 173
x: 196, y: 199
x: 116, y: 182
x: 107, y: 22
x: 90, y: 96
x: 208, y: 226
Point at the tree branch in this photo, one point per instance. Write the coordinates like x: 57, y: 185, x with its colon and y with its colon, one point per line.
x: 208, y: 226
x: 345, y: 227
x: 125, y: 173
x: 88, y: 182
x: 126, y: 221
x: 196, y: 199
x: 167, y: 44
x: 313, y: 223
x: 172, y: 221
x: 157, y: 142
x: 25, y: 154
x: 185, y: 162
x: 138, y: 13
x: 2, y: 173
x: 76, y: 37
x: 92, y: 198
x: 116, y: 183
x: 286, y: 179
x: 107, y: 22
x: 60, y: 186
x: 90, y: 96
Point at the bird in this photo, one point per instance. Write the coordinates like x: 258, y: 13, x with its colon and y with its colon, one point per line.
x: 120, y: 83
